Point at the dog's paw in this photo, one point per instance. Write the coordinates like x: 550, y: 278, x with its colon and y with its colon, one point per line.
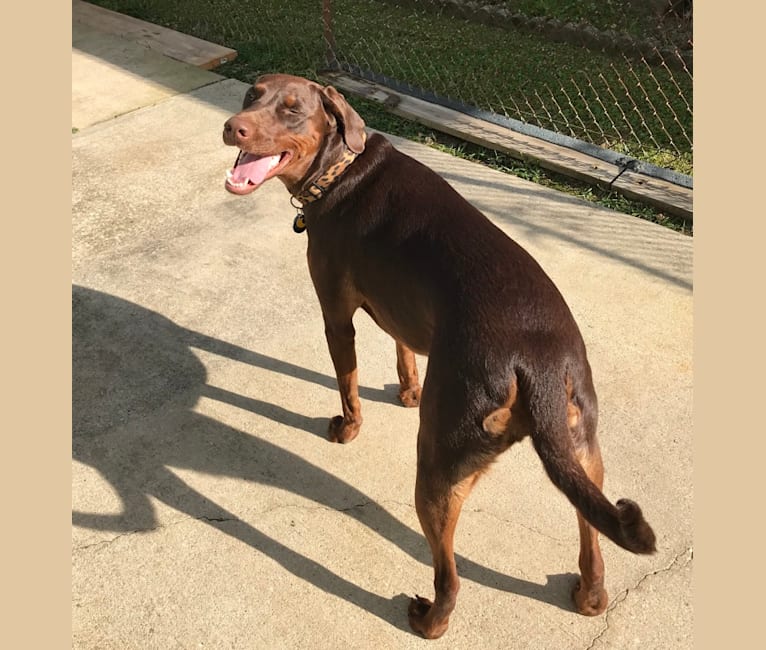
x: 589, y: 602
x: 420, y: 621
x: 342, y: 431
x: 419, y: 606
x: 410, y: 397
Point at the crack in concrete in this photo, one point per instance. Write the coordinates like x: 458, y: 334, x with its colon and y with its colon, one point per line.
x: 314, y: 508
x: 622, y: 596
x: 616, y: 601
x: 514, y: 522
x: 107, y: 542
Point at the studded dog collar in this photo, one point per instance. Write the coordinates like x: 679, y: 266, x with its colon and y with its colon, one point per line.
x: 316, y: 189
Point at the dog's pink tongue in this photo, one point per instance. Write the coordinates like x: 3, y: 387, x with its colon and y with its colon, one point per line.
x: 253, y: 169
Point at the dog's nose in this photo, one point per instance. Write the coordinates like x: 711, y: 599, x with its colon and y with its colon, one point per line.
x: 235, y: 129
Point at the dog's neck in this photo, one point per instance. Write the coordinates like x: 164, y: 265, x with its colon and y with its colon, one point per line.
x: 326, y: 173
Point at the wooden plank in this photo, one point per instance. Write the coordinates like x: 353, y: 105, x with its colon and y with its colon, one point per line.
x: 666, y: 196
x: 173, y: 44
x: 492, y: 136
x: 486, y: 134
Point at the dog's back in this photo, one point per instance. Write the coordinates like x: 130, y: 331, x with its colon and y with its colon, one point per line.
x: 424, y: 258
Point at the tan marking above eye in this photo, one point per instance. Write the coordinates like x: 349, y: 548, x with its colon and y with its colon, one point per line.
x: 290, y: 101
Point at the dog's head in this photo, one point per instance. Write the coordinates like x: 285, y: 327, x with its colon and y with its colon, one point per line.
x: 284, y: 125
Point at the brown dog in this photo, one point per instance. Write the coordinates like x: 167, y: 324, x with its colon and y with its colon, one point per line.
x: 505, y: 357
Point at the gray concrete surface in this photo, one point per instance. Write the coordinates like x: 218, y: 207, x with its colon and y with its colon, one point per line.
x: 113, y: 76
x: 208, y: 509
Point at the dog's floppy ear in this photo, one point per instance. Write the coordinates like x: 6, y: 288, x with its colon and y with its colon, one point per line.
x: 352, y: 126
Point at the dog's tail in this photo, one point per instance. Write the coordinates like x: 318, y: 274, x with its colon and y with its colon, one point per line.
x: 624, y: 522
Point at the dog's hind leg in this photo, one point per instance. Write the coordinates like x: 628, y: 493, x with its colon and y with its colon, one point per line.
x: 590, y: 597
x: 438, y: 503
x: 407, y: 370
x: 452, y: 453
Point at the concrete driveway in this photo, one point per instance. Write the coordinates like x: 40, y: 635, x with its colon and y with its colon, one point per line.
x: 208, y: 509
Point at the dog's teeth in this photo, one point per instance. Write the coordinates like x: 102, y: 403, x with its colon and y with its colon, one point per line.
x: 232, y: 182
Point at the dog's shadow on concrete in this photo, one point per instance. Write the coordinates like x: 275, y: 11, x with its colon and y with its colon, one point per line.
x: 135, y: 382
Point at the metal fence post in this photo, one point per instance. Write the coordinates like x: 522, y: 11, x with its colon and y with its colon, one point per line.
x: 329, y: 35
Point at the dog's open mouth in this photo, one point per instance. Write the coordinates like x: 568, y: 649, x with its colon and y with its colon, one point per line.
x: 251, y: 171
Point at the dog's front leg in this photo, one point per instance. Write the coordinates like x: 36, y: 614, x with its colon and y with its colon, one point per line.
x: 407, y: 369
x: 340, y: 340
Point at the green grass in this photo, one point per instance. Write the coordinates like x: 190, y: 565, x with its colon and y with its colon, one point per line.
x: 562, y: 85
x: 645, y: 19
x: 592, y: 96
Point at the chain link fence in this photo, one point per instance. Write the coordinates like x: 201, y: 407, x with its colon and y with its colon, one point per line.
x: 621, y: 80
x: 612, y: 73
